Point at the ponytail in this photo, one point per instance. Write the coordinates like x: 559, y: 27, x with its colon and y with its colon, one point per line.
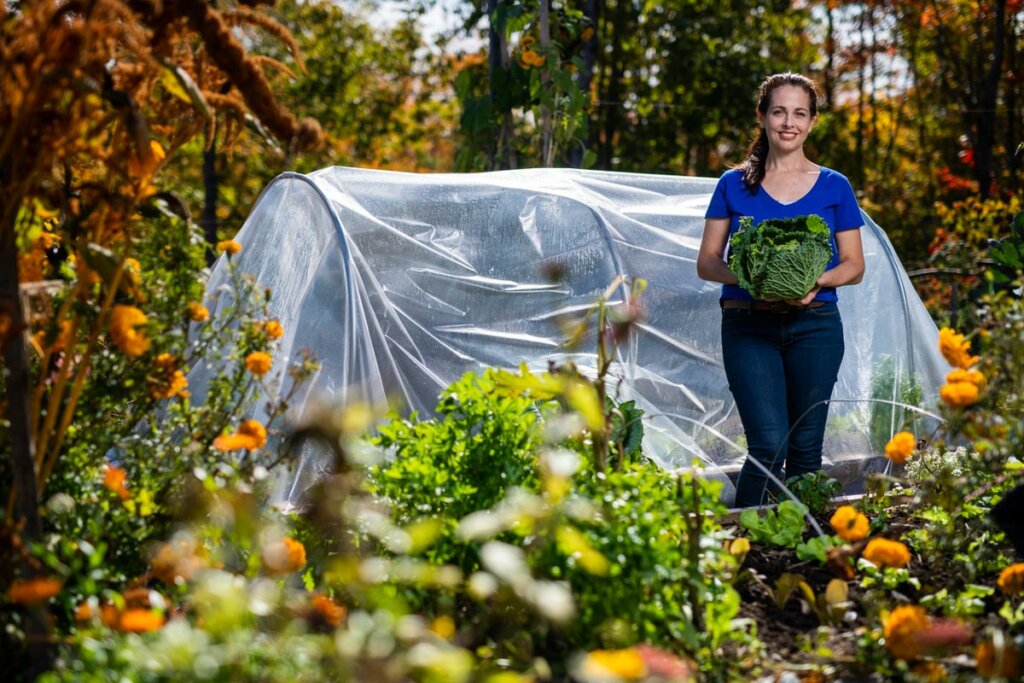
x: 753, y: 167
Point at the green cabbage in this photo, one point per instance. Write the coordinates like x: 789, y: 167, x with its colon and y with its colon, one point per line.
x: 780, y: 258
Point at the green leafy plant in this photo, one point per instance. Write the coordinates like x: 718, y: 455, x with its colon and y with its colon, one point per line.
x: 783, y: 527
x: 889, y: 385
x: 780, y: 258
x: 815, y: 490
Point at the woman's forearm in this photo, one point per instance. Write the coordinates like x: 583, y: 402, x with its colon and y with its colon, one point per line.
x: 715, y: 270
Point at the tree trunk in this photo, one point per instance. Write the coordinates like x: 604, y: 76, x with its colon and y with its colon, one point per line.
x: 592, y: 12
x: 210, y: 184
x: 612, y: 97
x: 504, y: 151
x: 547, y: 144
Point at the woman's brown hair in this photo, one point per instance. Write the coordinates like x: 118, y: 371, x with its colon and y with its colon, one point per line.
x: 757, y: 155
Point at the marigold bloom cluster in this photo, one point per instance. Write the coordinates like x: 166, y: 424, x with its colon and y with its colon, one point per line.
x: 902, y: 629
x: 955, y: 349
x: 849, y: 524
x: 229, y: 247
x: 900, y: 447
x: 284, y: 556
x: 882, y: 552
x: 1011, y: 579
x: 124, y: 332
x: 258, y: 363
x: 1004, y: 664
x: 974, y: 377
x: 626, y: 664
x: 251, y: 436
x: 197, y: 312
x: 114, y: 478
x: 33, y: 591
x: 170, y: 381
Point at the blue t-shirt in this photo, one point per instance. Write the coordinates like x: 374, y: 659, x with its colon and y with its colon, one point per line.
x: 831, y: 197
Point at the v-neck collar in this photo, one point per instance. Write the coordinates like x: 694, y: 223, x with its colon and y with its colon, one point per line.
x: 821, y: 172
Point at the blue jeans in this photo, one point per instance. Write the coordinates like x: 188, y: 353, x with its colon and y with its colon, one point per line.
x: 781, y: 369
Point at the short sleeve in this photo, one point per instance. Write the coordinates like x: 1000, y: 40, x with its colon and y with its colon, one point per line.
x: 719, y: 205
x: 848, y: 215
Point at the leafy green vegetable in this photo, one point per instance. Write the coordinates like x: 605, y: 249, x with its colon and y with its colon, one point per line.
x: 780, y: 258
x: 783, y: 528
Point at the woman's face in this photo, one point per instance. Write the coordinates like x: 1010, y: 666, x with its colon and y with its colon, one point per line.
x: 788, y: 119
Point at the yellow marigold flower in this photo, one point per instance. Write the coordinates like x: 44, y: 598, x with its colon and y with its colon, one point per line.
x: 229, y: 247
x: 959, y: 394
x: 882, y: 552
x: 627, y: 664
x: 139, y: 621
x: 197, y: 312
x: 901, y: 631
x: 443, y: 627
x: 849, y: 524
x: 33, y: 591
x: 900, y: 447
x: 1011, y: 579
x: 124, y: 321
x: 955, y: 349
x: 114, y: 478
x: 972, y: 376
x: 284, y: 556
x: 1005, y: 665
x: 325, y: 614
x: 258, y: 363
x: 251, y: 436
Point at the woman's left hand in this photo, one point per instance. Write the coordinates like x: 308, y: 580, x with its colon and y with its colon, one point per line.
x: 807, y: 299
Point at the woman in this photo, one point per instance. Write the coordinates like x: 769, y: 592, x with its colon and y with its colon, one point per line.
x: 782, y: 357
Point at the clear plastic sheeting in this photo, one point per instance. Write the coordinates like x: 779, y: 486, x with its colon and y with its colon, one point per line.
x: 399, y: 283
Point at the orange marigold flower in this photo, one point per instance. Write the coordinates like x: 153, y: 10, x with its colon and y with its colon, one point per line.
x: 1004, y: 664
x: 229, y: 247
x: 139, y: 621
x: 84, y: 611
x: 959, y: 394
x: 33, y: 591
x: 170, y: 381
x: 251, y: 436
x: 900, y: 447
x: 626, y: 664
x: 271, y: 328
x: 849, y: 524
x: 197, y: 312
x: 974, y: 377
x: 882, y: 552
x: 258, y: 363
x: 284, y: 556
x: 114, y: 478
x: 901, y: 631
x: 587, y: 34
x: 1011, y: 579
x: 124, y: 332
x: 955, y: 349
x: 324, y: 614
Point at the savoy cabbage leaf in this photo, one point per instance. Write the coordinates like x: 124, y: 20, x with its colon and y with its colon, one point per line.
x: 780, y: 258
